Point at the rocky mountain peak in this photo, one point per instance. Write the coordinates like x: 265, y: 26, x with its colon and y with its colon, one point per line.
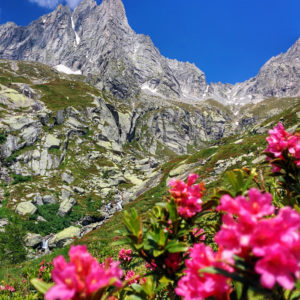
x: 114, y: 9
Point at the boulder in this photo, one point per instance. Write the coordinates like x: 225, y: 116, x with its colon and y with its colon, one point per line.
x: 49, y: 199
x: 3, y: 222
x: 26, y: 208
x: 66, y: 207
x: 259, y: 159
x: 33, y: 240
x: 78, y: 190
x: 65, y: 194
x: 59, y: 117
x: 64, y: 237
x: 41, y: 219
x: 67, y: 178
x: 52, y: 142
x: 38, y: 200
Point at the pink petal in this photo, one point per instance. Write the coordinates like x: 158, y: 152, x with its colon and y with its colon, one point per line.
x: 267, y: 280
x: 59, y: 292
x: 286, y: 281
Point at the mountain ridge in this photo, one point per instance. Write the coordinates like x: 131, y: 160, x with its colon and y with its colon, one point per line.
x: 97, y: 40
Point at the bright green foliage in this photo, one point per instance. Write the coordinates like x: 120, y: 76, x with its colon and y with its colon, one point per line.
x: 11, y: 244
x: 54, y: 222
x: 19, y: 178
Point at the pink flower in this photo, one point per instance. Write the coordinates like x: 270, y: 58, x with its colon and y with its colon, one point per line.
x: 198, y: 232
x: 173, y: 261
x: 82, y: 276
x: 187, y: 196
x: 10, y: 288
x: 242, y: 219
x: 151, y: 266
x: 131, y: 277
x: 125, y: 255
x: 277, y: 266
x: 7, y: 287
x: 274, y: 241
x: 197, y: 286
x: 257, y: 206
x: 280, y: 140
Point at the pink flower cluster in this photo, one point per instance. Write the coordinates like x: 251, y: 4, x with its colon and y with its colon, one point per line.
x: 280, y: 140
x: 198, y: 232
x: 131, y: 277
x: 187, y: 196
x: 151, y: 266
x: 8, y: 288
x: 125, y: 255
x: 82, y: 276
x: 196, y: 285
x: 43, y: 267
x: 274, y: 240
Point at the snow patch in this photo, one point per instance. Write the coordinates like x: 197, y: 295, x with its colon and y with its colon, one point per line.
x: 66, y: 70
x: 76, y: 34
x: 147, y: 87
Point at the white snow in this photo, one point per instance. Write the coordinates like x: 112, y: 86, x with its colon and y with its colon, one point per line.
x: 147, y: 87
x: 67, y: 70
x: 76, y: 34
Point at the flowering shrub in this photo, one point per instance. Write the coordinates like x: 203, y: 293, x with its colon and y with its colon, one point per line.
x: 187, y: 196
x: 45, y: 270
x: 7, y: 288
x: 280, y: 141
x: 283, y: 152
x: 271, y: 243
x: 200, y: 285
x: 82, y: 276
x: 125, y: 255
x: 256, y: 248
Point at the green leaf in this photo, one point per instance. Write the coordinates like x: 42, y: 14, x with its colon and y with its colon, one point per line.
x: 175, y: 246
x: 238, y: 289
x: 163, y: 236
x: 133, y: 297
x: 157, y: 253
x: 137, y: 288
x: 41, y: 286
x: 254, y: 295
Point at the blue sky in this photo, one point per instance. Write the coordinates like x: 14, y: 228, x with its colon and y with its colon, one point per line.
x: 227, y: 39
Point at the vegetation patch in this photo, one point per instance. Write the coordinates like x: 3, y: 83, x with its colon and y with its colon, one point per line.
x: 60, y: 94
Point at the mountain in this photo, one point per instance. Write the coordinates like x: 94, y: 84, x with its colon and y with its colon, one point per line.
x: 98, y: 42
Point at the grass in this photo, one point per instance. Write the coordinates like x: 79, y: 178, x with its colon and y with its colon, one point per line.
x: 19, y: 178
x: 60, y: 94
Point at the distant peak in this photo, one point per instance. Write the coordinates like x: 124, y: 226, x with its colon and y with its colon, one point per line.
x: 86, y: 4
x: 60, y: 8
x: 114, y: 9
